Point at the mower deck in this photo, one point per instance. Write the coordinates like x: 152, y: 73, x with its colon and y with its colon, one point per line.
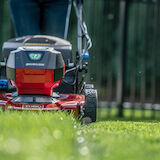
x: 42, y: 103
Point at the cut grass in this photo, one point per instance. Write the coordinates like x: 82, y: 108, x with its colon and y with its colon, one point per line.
x: 58, y: 136
x: 127, y: 140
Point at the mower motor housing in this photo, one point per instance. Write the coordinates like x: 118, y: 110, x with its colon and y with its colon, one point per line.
x: 60, y: 45
x: 35, y: 69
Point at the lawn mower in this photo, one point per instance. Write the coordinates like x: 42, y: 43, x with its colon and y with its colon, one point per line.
x: 38, y: 73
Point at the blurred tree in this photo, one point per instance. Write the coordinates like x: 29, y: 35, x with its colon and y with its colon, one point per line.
x: 102, y: 18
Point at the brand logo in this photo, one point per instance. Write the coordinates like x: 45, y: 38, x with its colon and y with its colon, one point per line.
x: 32, y: 106
x: 35, y: 64
x: 35, y: 56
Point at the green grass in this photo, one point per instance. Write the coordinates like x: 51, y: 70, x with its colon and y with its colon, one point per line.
x: 129, y: 114
x: 58, y: 136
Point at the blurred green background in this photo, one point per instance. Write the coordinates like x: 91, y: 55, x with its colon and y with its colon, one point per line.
x: 142, y: 59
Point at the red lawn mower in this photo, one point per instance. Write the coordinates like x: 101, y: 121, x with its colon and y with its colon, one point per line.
x: 41, y: 75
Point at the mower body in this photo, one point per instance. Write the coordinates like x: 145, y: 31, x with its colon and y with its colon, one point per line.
x: 35, y: 67
x: 39, y: 74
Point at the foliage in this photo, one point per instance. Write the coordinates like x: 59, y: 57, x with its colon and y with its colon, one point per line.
x: 103, y: 21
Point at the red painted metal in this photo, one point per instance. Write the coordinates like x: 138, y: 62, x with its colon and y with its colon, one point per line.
x: 35, y: 81
x: 64, y: 102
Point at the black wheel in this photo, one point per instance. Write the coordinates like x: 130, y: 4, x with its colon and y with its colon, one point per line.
x: 90, y: 104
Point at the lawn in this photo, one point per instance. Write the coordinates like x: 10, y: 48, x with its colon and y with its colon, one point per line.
x: 58, y: 136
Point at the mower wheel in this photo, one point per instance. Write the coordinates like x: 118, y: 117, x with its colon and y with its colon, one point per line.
x: 90, y: 104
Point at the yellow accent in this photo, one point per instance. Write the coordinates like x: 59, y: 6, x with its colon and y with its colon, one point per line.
x: 37, y: 44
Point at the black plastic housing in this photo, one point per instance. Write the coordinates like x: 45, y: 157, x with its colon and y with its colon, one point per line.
x: 58, y: 44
